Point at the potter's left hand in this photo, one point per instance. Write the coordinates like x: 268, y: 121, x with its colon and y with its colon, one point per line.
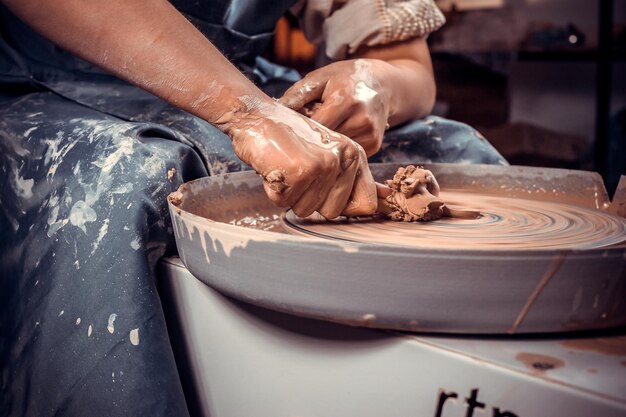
x: 349, y: 97
x: 385, y: 84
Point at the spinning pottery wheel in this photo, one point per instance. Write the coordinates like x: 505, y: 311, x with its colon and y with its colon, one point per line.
x: 547, y: 254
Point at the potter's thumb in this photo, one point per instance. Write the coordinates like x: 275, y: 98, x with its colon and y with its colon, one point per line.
x: 295, y: 100
x: 364, y: 199
x: 383, y: 191
x: 299, y: 95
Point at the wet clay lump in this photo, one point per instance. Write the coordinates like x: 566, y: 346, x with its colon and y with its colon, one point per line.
x: 413, y: 194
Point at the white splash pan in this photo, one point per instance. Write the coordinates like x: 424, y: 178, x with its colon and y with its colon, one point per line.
x: 456, y: 290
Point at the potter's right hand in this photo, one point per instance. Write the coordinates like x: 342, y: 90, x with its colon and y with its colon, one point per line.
x: 303, y: 164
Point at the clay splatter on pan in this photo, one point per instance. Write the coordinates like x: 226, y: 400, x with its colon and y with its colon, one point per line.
x: 613, y: 346
x: 539, y: 363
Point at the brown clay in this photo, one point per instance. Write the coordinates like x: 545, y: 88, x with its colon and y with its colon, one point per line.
x: 505, y: 223
x: 414, y: 196
x: 176, y: 197
x: 614, y: 346
x: 539, y: 364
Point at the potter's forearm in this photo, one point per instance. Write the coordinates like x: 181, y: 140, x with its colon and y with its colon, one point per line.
x: 146, y: 42
x: 408, y: 79
x: 150, y: 44
x: 412, y: 90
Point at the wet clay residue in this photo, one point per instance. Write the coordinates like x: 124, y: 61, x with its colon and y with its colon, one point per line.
x: 504, y: 223
x: 614, y: 346
x: 414, y: 195
x: 539, y: 363
x: 176, y: 197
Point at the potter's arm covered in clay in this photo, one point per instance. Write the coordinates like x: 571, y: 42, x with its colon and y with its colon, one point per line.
x: 304, y: 165
x: 387, y: 78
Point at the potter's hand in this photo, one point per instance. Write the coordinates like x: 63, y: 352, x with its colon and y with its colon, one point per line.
x: 390, y: 83
x: 303, y: 164
x: 347, y: 96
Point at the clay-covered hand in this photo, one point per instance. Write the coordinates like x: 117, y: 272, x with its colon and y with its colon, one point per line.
x: 303, y: 164
x: 349, y: 97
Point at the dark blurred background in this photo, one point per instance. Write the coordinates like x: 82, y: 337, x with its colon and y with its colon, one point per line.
x: 543, y: 80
